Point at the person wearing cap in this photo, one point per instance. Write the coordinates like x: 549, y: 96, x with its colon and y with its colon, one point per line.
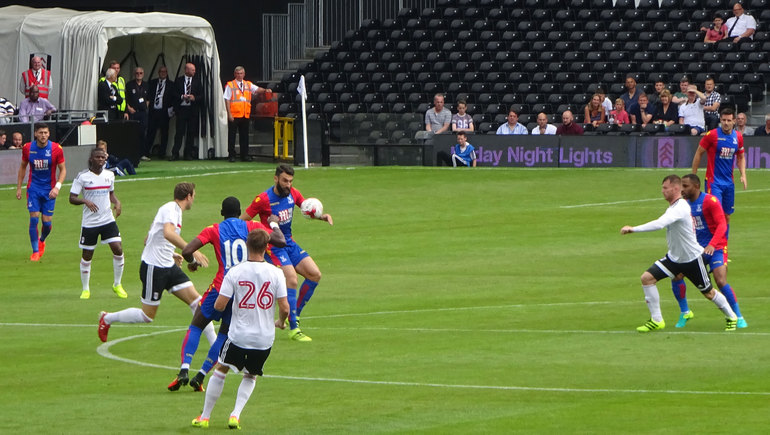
x: 691, y: 111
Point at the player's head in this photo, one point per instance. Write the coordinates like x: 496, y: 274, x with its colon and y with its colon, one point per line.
x: 96, y: 160
x: 672, y: 187
x: 690, y: 187
x: 185, y: 192
x: 42, y: 133
x: 231, y: 207
x: 256, y: 241
x: 727, y: 119
x: 284, y: 177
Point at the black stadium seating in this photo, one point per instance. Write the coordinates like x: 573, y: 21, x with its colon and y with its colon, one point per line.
x: 541, y: 55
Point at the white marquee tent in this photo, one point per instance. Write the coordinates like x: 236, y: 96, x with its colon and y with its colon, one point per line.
x: 79, y: 45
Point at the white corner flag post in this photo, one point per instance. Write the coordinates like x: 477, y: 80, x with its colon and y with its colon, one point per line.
x: 302, y: 91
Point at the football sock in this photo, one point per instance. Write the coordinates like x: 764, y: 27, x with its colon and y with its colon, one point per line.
x: 729, y: 294
x: 721, y: 302
x: 129, y: 315
x: 244, y: 392
x: 210, y: 333
x: 213, y: 391
x: 305, y: 293
x: 33, y: 235
x: 213, y: 354
x: 117, y: 269
x: 680, y: 293
x: 194, y: 304
x: 190, y: 345
x: 46, y: 230
x: 652, y: 297
x: 291, y: 295
x: 85, y: 273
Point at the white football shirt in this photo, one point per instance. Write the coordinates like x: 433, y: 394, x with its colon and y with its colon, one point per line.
x: 158, y: 251
x: 95, y: 188
x: 253, y: 287
x: 683, y: 247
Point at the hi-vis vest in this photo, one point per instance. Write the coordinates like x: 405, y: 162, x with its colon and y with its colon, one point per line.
x: 121, y: 85
x: 43, y: 85
x: 240, y: 102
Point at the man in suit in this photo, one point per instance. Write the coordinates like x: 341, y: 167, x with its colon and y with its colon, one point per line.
x: 109, y: 98
x: 161, y: 99
x: 188, y: 93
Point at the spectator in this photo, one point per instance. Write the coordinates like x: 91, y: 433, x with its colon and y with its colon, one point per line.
x: 631, y: 96
x: 606, y: 103
x: 438, y: 119
x: 108, y: 95
x: 463, y: 154
x: 461, y: 121
x: 115, y: 164
x: 711, y: 106
x: 717, y: 31
x: 619, y: 115
x: 594, y: 111
x: 740, y: 27
x: 120, y: 85
x: 568, y: 127
x: 641, y: 112
x: 136, y: 104
x: 691, y: 111
x: 34, y: 108
x: 681, y: 96
x: 17, y: 141
x: 3, y: 144
x: 543, y: 127
x: 666, y: 113
x: 765, y: 130
x: 740, y: 125
x: 188, y: 96
x: 654, y: 98
x: 161, y: 110
x: 7, y: 110
x: 512, y: 126
x: 38, y: 76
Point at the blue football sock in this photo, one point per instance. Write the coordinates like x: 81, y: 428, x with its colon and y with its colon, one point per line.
x: 33, y: 237
x: 46, y: 230
x: 305, y: 293
x: 213, y: 354
x: 680, y: 293
x: 190, y: 344
x: 291, y: 295
x: 730, y: 296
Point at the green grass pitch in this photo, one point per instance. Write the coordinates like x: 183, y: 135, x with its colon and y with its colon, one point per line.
x: 452, y: 301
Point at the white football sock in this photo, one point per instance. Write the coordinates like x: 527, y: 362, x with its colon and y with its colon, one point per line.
x: 117, y: 269
x: 213, y: 391
x: 129, y: 315
x: 194, y: 304
x: 652, y: 297
x: 244, y: 392
x: 211, y: 334
x: 721, y: 302
x: 85, y: 273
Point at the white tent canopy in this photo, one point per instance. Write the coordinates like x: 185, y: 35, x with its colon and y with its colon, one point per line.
x: 80, y: 43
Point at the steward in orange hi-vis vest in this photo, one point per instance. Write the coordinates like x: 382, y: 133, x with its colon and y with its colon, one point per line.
x: 240, y: 100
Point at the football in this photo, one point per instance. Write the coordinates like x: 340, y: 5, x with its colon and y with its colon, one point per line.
x: 312, y: 208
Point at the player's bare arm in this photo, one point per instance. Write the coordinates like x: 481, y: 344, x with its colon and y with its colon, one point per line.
x: 77, y: 200
x: 22, y: 170
x: 175, y: 239
x: 245, y: 216
x: 221, y: 303
x: 62, y: 175
x: 696, y: 159
x: 327, y: 217
x: 741, y: 163
x: 283, y: 312
x: 628, y: 229
x: 188, y: 252
x: 116, y: 204
x: 277, y: 238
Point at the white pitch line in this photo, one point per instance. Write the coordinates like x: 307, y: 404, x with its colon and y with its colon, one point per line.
x: 632, y: 201
x: 104, y: 350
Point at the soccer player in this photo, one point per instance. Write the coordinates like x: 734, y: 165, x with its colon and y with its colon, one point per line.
x: 42, y: 186
x: 254, y: 287
x: 160, y: 266
x: 683, y: 257
x: 280, y: 200
x: 229, y: 241
x: 710, y: 228
x: 724, y: 150
x: 98, y: 188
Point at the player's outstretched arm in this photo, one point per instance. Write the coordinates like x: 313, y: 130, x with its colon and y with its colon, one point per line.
x: 627, y: 229
x: 327, y: 217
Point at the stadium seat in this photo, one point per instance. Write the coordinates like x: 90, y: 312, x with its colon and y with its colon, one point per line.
x: 625, y: 4
x: 509, y: 99
x: 633, y: 15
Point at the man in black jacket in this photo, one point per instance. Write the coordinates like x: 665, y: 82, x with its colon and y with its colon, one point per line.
x: 161, y: 99
x: 188, y: 93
